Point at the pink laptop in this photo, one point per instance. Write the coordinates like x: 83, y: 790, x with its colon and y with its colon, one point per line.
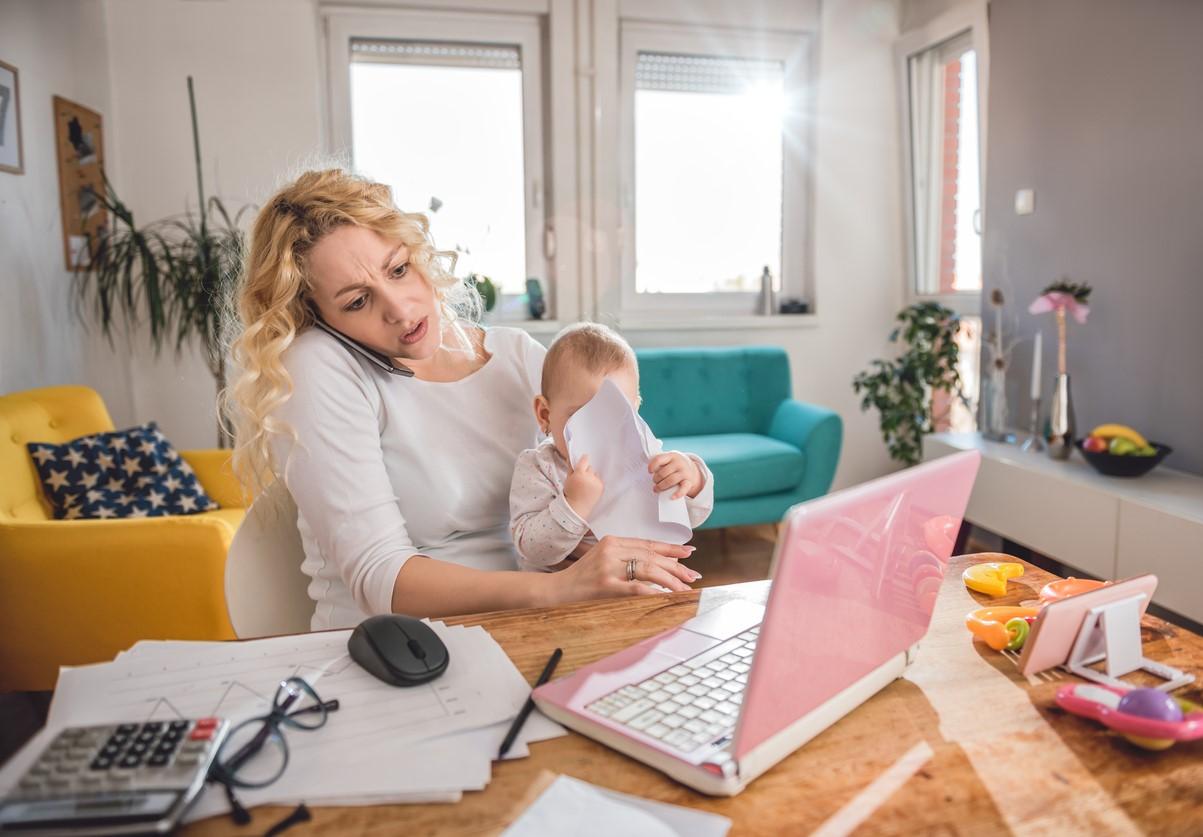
x: 719, y: 700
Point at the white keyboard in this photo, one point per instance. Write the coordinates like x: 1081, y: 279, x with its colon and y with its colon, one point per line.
x: 693, y: 703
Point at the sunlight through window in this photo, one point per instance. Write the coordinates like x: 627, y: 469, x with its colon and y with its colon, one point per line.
x: 442, y: 124
x: 708, y: 172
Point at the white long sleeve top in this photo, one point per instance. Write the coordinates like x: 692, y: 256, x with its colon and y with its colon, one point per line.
x: 386, y: 467
x: 544, y: 526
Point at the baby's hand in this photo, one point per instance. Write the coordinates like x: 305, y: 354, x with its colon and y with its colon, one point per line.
x: 583, y: 488
x: 675, y: 470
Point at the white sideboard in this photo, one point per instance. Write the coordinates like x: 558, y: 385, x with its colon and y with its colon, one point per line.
x: 1109, y: 527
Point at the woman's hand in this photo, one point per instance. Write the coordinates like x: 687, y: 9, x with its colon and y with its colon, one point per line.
x: 602, y: 572
x: 677, y: 470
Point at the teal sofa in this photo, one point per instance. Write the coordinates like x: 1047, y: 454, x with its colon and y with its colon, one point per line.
x: 733, y: 407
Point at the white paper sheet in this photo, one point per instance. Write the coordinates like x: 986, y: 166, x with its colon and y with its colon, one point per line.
x: 619, y: 445
x: 383, y: 745
x: 574, y: 808
x: 237, y: 680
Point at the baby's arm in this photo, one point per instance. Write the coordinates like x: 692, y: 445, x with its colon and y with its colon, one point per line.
x: 701, y: 504
x: 686, y: 475
x: 545, y: 528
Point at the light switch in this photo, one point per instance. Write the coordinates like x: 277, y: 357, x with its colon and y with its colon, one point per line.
x: 1025, y: 202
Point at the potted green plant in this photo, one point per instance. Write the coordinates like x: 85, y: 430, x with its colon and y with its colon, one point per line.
x: 485, y: 287
x: 175, y: 275
x: 901, y: 388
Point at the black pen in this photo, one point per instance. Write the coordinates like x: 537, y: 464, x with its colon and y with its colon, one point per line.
x: 516, y: 727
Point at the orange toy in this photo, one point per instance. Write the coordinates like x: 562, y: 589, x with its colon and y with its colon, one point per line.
x: 989, y: 624
x: 1054, y: 591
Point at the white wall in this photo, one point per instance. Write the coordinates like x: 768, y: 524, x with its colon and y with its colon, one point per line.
x: 255, y: 69
x: 258, y: 76
x: 916, y: 13
x: 58, y: 49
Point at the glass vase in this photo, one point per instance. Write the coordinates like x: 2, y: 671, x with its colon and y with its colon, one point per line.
x: 1061, y: 427
x: 994, y: 405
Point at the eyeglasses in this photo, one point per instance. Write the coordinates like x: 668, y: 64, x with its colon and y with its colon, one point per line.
x: 255, y: 753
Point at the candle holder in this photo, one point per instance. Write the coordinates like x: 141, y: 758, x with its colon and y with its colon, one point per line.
x: 1035, y: 441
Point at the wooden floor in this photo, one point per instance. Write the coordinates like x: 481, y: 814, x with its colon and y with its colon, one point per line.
x: 730, y: 556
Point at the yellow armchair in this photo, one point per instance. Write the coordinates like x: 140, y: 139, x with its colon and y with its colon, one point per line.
x: 79, y: 591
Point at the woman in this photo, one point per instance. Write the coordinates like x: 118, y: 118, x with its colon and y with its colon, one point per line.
x: 401, y: 484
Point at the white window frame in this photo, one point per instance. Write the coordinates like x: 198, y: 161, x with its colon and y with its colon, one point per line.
x: 523, y: 31
x: 969, y: 18
x: 795, y: 51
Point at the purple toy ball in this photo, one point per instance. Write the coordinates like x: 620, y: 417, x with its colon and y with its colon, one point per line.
x: 1151, y: 703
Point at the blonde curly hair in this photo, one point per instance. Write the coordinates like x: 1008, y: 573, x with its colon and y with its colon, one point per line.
x: 273, y: 296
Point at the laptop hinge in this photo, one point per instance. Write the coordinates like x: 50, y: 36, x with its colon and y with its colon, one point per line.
x: 722, y: 765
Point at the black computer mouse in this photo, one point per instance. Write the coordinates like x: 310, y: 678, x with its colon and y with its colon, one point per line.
x: 400, y: 650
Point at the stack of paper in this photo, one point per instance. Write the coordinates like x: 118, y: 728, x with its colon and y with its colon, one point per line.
x: 384, y: 744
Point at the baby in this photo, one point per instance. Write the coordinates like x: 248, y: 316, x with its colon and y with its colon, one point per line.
x: 550, y: 502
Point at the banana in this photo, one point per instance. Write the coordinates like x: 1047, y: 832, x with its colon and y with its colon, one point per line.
x: 1111, y: 431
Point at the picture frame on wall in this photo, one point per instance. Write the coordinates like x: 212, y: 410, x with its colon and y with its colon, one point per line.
x: 79, y: 147
x: 12, y: 158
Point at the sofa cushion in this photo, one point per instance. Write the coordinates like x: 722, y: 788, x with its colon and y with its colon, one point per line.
x: 688, y: 392
x: 124, y: 473
x: 744, y: 464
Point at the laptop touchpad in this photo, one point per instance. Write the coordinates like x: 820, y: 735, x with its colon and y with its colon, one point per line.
x: 727, y: 620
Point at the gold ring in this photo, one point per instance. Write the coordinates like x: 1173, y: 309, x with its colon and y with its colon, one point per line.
x: 631, y: 569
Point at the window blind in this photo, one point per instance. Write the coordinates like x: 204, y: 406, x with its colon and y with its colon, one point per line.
x: 440, y: 53
x: 703, y: 73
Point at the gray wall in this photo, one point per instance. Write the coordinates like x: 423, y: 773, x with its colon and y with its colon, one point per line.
x: 1098, y: 106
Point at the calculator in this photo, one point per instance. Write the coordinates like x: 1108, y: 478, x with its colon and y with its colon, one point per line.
x: 136, y: 778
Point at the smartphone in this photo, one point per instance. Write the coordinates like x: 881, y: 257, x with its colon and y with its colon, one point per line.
x: 382, y: 362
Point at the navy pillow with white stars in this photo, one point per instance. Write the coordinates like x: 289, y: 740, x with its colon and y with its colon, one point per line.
x: 125, y: 473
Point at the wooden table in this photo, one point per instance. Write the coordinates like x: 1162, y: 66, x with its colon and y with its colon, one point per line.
x: 963, y: 744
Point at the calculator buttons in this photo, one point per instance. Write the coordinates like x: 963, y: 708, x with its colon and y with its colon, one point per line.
x: 150, y: 766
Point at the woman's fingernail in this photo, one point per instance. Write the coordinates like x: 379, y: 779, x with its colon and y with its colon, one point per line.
x: 692, y: 548
x: 696, y: 574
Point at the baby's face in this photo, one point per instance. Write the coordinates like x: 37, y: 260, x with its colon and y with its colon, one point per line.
x: 579, y: 391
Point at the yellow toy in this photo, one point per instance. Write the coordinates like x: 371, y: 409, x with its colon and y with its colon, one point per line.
x: 991, y: 578
x: 989, y: 624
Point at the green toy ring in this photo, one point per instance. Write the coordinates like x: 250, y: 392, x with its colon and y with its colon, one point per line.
x: 1018, y: 629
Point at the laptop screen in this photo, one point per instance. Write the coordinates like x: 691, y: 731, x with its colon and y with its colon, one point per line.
x: 854, y: 585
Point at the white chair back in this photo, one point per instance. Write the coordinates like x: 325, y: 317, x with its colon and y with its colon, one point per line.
x: 266, y: 592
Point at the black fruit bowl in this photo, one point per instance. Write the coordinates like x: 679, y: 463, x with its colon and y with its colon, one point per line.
x: 1114, y: 465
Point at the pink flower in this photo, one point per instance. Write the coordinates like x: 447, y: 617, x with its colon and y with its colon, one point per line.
x: 1060, y: 301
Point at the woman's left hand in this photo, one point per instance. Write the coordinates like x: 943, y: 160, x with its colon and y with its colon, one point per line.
x: 623, y: 566
x: 676, y: 469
